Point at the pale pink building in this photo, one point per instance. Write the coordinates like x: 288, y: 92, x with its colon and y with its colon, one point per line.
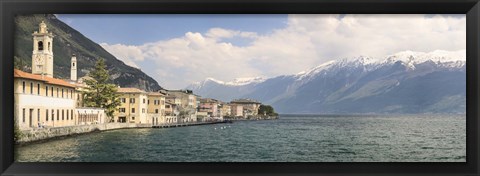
x: 237, y: 110
x: 210, y: 106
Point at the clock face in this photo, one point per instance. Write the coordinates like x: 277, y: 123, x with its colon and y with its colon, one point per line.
x: 38, y: 59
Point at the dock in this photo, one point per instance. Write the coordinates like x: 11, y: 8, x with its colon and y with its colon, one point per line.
x: 173, y: 125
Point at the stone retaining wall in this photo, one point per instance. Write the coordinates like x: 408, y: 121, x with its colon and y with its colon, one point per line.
x: 47, y: 133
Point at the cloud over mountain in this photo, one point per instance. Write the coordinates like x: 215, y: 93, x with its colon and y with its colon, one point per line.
x: 305, y: 41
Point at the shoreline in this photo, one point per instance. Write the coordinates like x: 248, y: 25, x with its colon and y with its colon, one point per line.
x: 49, y: 134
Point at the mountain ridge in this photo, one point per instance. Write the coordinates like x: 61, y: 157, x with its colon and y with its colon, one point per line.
x: 342, y: 85
x: 69, y: 41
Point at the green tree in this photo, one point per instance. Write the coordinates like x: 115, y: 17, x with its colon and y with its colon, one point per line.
x: 267, y: 110
x: 101, y: 92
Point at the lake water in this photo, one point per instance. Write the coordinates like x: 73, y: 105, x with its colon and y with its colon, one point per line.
x: 393, y: 138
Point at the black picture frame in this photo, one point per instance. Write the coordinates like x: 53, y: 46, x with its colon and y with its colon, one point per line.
x: 9, y: 8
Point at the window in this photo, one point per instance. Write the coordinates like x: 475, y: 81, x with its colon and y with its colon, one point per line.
x: 71, y: 113
x: 122, y: 99
x: 121, y: 110
x: 132, y: 100
x: 133, y: 118
x: 156, y: 111
x: 57, y: 92
x: 68, y: 115
x: 48, y: 46
x: 52, y: 91
x: 62, y: 93
x: 148, y: 102
x: 38, y: 89
x: 63, y: 115
x: 40, y: 45
x: 143, y: 110
x: 58, y: 114
x: 46, y: 115
x: 31, y: 88
x: 46, y: 91
x: 73, y: 64
x: 133, y: 110
x: 53, y: 115
x: 23, y: 86
x: 38, y: 115
x: 144, y: 101
x: 23, y: 115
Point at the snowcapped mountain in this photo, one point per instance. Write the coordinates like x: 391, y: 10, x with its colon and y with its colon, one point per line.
x: 235, y: 82
x: 405, y: 82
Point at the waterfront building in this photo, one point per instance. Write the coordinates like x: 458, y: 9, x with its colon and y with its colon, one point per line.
x: 250, y: 106
x: 202, y: 116
x: 236, y: 110
x: 133, y: 106
x: 210, y: 106
x: 44, y: 101
x: 226, y: 109
x: 88, y: 116
x: 156, y: 107
x: 187, y: 105
x: 171, y: 113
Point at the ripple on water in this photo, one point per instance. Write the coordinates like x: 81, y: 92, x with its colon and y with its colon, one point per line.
x: 290, y: 139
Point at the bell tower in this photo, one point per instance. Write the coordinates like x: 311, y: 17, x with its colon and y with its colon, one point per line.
x: 73, y: 68
x: 42, y: 55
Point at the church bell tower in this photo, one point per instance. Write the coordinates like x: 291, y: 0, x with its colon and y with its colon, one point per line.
x: 73, y: 68
x: 42, y: 55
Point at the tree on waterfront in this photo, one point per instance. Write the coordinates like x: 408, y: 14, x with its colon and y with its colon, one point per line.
x: 100, y: 91
x: 266, y: 110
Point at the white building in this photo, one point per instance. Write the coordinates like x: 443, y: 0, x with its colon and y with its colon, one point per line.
x: 41, y: 100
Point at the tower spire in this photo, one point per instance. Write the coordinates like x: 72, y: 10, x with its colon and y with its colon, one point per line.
x: 73, y: 68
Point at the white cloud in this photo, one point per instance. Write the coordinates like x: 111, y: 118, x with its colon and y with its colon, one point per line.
x: 308, y: 40
x: 220, y: 33
x: 127, y: 53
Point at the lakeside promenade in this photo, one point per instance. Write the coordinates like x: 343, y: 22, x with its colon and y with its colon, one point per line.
x: 42, y: 134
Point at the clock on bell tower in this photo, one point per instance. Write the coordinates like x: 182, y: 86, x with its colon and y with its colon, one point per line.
x: 42, y: 55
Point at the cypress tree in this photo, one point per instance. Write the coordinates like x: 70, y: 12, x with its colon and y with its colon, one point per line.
x: 101, y: 92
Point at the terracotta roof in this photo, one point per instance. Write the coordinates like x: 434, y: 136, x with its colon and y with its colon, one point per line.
x: 20, y: 74
x: 129, y: 90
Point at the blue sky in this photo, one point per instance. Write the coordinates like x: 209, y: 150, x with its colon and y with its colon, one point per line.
x: 137, y: 29
x: 177, y: 50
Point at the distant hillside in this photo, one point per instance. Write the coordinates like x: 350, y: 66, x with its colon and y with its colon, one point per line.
x: 69, y: 41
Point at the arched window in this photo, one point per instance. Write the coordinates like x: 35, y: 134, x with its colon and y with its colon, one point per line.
x: 40, y: 45
x: 48, y: 46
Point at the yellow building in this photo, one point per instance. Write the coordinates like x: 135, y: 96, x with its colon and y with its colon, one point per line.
x: 156, y: 108
x: 42, y: 101
x: 226, y: 109
x: 133, y: 107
